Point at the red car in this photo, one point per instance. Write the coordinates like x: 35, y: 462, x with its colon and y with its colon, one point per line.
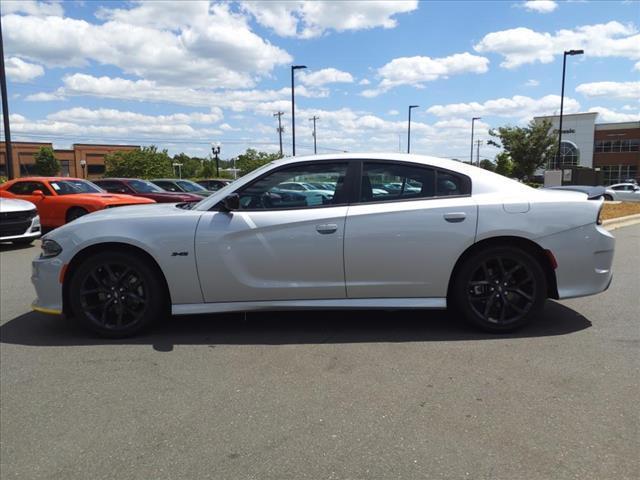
x: 146, y: 189
x: 62, y: 199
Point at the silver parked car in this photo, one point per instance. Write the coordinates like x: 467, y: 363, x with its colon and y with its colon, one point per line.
x: 625, y: 192
x: 461, y: 237
x: 19, y: 221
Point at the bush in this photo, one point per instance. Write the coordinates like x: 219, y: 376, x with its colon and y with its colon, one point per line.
x: 147, y: 162
x: 3, y: 179
x: 46, y: 163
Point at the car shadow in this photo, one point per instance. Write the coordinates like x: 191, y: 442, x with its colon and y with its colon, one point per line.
x: 291, y: 327
x: 7, y: 247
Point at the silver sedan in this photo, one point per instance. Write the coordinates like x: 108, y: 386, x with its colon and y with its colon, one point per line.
x: 449, y: 236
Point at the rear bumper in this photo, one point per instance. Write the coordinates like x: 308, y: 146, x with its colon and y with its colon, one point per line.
x: 585, y: 257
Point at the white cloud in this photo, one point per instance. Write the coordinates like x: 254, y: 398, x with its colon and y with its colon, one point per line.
x: 217, y: 48
x: 532, y: 83
x: 522, y: 45
x: 416, y: 71
x: 518, y: 106
x: 20, y: 71
x: 118, y: 117
x: 308, y: 19
x: 393, y: 112
x: 364, y: 81
x: 637, y: 66
x: 615, y: 90
x: 31, y: 7
x: 325, y: 76
x: 540, y: 6
x: 606, y: 115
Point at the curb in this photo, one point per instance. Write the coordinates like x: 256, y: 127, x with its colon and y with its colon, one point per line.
x: 619, y: 222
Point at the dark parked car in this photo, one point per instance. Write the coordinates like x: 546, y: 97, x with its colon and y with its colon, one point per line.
x: 213, y: 184
x: 144, y: 188
x: 181, y: 185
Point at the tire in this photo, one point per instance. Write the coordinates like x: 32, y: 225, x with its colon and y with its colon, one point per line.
x: 117, y: 294
x: 608, y: 198
x: 499, y: 289
x: 23, y: 242
x: 75, y: 212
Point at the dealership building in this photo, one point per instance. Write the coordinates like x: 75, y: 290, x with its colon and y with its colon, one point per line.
x: 82, y: 160
x: 611, y: 148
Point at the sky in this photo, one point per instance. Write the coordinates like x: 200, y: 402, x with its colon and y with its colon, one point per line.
x: 181, y: 75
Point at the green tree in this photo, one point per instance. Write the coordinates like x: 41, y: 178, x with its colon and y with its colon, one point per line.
x: 528, y: 147
x: 487, y: 164
x: 191, y: 166
x: 147, y: 162
x: 504, y: 166
x: 252, y: 159
x: 46, y: 163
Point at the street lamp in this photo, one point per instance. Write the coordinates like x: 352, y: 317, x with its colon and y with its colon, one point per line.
x: 473, y: 121
x: 215, y: 149
x: 409, y: 128
x: 564, y: 69
x: 293, y: 106
x: 83, y: 165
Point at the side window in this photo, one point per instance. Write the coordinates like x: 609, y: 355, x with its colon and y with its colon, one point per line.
x: 396, y: 181
x: 27, y: 188
x: 168, y: 186
x: 273, y: 192
x: 451, y: 184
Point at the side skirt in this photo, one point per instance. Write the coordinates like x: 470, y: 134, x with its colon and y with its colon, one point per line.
x: 335, y: 304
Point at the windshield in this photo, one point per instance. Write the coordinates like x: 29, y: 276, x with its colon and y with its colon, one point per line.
x: 142, y: 186
x: 189, y: 186
x: 71, y: 187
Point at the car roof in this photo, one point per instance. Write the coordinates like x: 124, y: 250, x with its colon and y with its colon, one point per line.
x: 45, y: 179
x: 623, y: 184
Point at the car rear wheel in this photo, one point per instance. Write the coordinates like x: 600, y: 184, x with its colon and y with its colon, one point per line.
x: 75, y: 212
x: 500, y: 289
x: 608, y: 198
x: 116, y: 294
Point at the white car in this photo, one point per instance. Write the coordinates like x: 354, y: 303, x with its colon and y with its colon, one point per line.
x: 625, y: 192
x: 491, y: 248
x: 19, y: 221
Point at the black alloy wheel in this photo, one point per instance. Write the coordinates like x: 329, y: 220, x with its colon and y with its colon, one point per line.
x: 500, y: 289
x: 116, y: 294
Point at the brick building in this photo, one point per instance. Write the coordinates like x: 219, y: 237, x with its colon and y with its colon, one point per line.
x: 612, y: 148
x: 71, y: 160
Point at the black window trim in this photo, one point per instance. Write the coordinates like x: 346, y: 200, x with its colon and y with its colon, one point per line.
x: 348, y: 186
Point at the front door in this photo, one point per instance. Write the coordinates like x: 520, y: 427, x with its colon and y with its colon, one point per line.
x: 406, y: 232
x: 24, y: 189
x: 280, y: 244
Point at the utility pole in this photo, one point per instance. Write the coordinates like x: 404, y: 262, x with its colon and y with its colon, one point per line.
x: 478, y: 143
x: 280, y: 129
x: 313, y: 119
x: 5, y: 111
x: 473, y: 121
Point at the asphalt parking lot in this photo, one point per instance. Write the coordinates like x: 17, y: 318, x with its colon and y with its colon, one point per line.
x: 340, y: 395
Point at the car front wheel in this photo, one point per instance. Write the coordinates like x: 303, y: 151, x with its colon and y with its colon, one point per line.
x: 116, y: 294
x: 500, y: 289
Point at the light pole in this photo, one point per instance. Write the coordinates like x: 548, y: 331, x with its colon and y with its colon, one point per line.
x: 478, y: 143
x: 215, y: 149
x: 564, y: 69
x: 473, y: 121
x: 5, y: 111
x: 313, y: 119
x: 411, y: 107
x: 293, y: 106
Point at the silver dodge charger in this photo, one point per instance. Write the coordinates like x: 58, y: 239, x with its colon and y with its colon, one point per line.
x: 395, y: 231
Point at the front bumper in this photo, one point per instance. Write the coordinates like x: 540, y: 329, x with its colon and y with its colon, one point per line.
x: 33, y: 231
x: 45, y: 276
x: 585, y: 257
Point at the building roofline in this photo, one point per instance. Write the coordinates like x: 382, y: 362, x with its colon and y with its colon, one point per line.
x: 103, y: 145
x: 566, y: 115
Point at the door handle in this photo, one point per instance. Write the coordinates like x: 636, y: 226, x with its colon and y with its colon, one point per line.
x: 326, y: 228
x: 455, y: 217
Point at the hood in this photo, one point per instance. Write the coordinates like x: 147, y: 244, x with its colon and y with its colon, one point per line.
x: 148, y: 210
x: 112, y: 198
x: 173, y: 196
x: 15, y: 205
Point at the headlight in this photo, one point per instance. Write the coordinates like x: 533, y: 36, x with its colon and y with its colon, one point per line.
x: 50, y: 248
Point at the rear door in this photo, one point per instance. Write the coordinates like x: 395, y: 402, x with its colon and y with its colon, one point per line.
x: 403, y: 241
x: 280, y: 245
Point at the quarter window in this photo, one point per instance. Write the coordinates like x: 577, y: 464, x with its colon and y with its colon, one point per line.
x: 274, y: 191
x: 27, y: 188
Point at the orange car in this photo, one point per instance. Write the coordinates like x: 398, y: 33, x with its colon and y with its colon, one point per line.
x: 63, y: 199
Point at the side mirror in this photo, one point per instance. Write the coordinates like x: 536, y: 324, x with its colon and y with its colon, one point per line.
x: 39, y: 193
x: 231, y: 202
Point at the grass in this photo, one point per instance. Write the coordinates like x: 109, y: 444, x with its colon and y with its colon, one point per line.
x: 615, y: 210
